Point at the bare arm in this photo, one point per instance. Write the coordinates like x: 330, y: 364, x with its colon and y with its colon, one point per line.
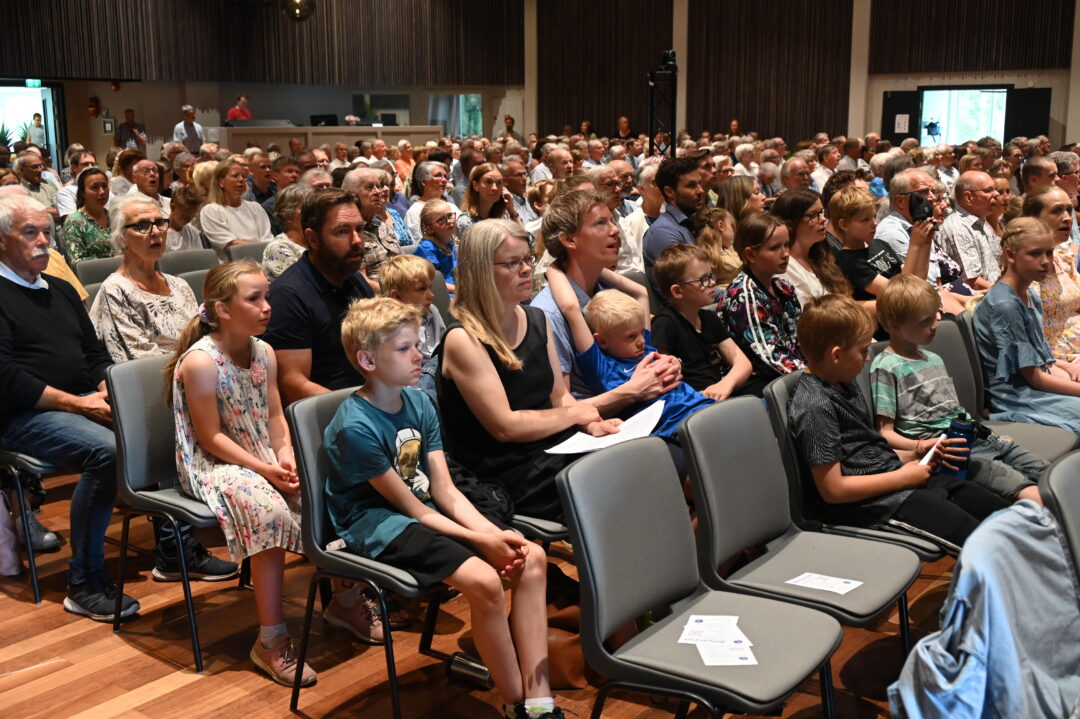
x: 736, y: 376
x: 612, y: 279
x: 836, y: 488
x: 917, y: 261
x: 1057, y: 382
x: 567, y: 301
x: 295, y: 375
x: 280, y: 439
x: 92, y: 406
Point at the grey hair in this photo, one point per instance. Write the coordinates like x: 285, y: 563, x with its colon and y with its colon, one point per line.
x: 311, y: 175
x: 180, y: 159
x: 289, y: 200
x: 170, y: 146
x: 118, y: 216
x: 743, y: 149
x: 901, y: 181
x: 617, y: 152
x: 546, y: 149
x: 646, y: 174
x: 1064, y: 160
x: 352, y: 180
x: 20, y: 160
x: 15, y: 202
x: 186, y: 108
x: 768, y: 169
x: 426, y: 169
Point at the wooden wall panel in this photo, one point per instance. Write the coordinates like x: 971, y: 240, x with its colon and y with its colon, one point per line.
x: 780, y: 73
x: 593, y: 57
x: 374, y: 43
x: 970, y: 35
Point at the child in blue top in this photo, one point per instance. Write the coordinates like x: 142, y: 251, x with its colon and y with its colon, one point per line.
x: 437, y: 221
x: 613, y: 338
x: 390, y: 497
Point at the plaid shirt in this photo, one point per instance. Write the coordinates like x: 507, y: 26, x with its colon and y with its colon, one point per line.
x: 973, y: 245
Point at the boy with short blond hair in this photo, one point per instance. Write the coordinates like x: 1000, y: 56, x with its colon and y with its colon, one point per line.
x: 915, y: 399
x: 860, y: 480
x: 390, y: 497
x: 688, y: 328
x: 409, y: 278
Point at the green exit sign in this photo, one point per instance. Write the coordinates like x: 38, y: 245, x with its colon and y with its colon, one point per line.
x: 31, y: 82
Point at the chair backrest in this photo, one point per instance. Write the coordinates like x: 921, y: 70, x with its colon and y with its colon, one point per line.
x: 179, y: 262
x: 777, y: 395
x: 247, y: 251
x: 1060, y: 492
x: 738, y: 478
x: 863, y: 380
x: 144, y: 425
x: 966, y: 322
x: 442, y: 297
x: 308, y: 419
x: 195, y: 279
x: 955, y: 351
x: 92, y: 290
x: 91, y: 271
x: 656, y: 304
x: 631, y: 533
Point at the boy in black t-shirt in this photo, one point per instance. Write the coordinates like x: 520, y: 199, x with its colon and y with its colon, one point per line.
x: 859, y: 479
x: 692, y: 331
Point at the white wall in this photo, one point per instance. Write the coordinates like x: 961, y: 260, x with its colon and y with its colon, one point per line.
x: 1056, y: 80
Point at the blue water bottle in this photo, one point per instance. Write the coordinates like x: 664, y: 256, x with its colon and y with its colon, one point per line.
x: 966, y: 431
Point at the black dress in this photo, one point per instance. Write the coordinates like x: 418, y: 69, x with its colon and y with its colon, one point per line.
x: 523, y: 468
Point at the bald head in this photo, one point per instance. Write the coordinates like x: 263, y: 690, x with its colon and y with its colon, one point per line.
x: 976, y: 192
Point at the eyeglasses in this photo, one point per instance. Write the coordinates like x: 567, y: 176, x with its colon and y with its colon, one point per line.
x: 728, y: 171
x: 515, y: 265
x: 445, y: 219
x: 1070, y: 172
x: 143, y: 227
x: 704, y: 282
x: 814, y: 216
x: 925, y: 192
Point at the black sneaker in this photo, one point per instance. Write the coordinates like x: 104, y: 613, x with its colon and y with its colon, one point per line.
x: 518, y: 711
x: 97, y: 599
x: 200, y: 565
x: 41, y: 539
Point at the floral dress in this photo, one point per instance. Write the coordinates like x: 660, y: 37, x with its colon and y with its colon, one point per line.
x: 252, y: 513
x: 763, y: 325
x: 84, y: 239
x: 1060, y: 295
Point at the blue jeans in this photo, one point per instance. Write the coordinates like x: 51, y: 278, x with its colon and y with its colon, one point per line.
x: 71, y: 441
x: 1003, y: 466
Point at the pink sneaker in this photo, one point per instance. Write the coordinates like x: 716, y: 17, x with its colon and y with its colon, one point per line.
x: 279, y: 661
x: 362, y: 619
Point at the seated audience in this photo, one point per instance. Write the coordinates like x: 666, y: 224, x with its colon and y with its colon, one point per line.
x: 381, y: 242
x: 915, y: 399
x: 742, y: 197
x: 85, y: 233
x: 439, y: 246
x: 185, y: 206
x: 1059, y: 290
x: 501, y: 396
x: 636, y: 224
x: 812, y: 268
x: 286, y: 248
x: 391, y: 497
x: 227, y: 219
x: 966, y: 235
x: 1024, y: 381
x: 761, y: 309
x: 715, y: 233
x: 486, y: 197
x: 860, y: 479
x: 688, y: 327
x: 430, y: 185
x: 408, y: 279
x: 233, y: 449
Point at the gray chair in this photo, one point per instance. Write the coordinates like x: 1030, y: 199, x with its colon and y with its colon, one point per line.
x: 955, y: 343
x: 24, y: 471
x: 442, y: 297
x: 146, y: 464
x: 741, y: 497
x: 635, y: 553
x: 181, y: 261
x: 247, y: 251
x: 96, y: 270
x: 195, y: 279
x: 308, y: 419
x: 777, y: 395
x: 92, y: 290
x: 1060, y: 492
x: 655, y: 302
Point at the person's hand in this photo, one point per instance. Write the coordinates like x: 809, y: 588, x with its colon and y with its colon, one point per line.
x: 1071, y: 369
x: 717, y: 392
x: 95, y: 406
x: 504, y: 550
x: 669, y: 367
x: 284, y: 479
x: 923, y: 232
x: 914, y: 474
x: 950, y: 452
x: 654, y: 375
x: 511, y: 208
x: 584, y: 414
x: 603, y: 427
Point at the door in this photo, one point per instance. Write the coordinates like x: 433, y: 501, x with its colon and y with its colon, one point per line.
x: 1027, y: 113
x: 902, y: 105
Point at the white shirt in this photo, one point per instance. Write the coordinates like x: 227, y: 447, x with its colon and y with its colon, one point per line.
x: 179, y: 135
x: 163, y: 203
x: 631, y: 251
x: 741, y: 171
x: 222, y: 224
x: 540, y: 172
x: 9, y: 274
x: 336, y: 163
x: 806, y: 283
x: 65, y: 200
x: 820, y: 176
x: 186, y: 238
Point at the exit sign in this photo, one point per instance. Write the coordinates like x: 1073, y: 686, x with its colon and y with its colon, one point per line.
x: 31, y: 82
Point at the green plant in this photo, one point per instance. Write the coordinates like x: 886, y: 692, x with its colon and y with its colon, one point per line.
x: 5, y: 135
x: 21, y: 131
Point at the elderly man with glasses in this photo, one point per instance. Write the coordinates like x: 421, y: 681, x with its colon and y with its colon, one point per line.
x: 966, y: 235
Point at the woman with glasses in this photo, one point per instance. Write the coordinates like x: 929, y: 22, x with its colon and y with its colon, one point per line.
x: 139, y: 311
x: 85, y: 232
x: 501, y: 392
x: 430, y: 183
x: 486, y: 197
x: 812, y: 269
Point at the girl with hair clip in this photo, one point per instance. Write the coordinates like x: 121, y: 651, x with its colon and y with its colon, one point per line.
x: 761, y: 309
x: 1024, y: 381
x: 233, y: 449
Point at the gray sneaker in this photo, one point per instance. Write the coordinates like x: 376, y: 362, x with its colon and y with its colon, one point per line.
x: 41, y: 539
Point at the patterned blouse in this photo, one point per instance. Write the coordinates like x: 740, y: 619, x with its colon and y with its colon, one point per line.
x: 84, y: 239
x: 763, y: 325
x: 134, y: 323
x: 1060, y: 295
x: 379, y: 247
x: 280, y: 255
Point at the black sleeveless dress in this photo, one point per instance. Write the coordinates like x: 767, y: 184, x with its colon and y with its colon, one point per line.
x: 523, y: 468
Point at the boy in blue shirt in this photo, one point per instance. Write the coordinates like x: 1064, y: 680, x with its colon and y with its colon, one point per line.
x: 612, y: 338
x: 390, y: 497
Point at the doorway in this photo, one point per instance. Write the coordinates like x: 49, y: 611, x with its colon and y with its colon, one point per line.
x: 19, y: 103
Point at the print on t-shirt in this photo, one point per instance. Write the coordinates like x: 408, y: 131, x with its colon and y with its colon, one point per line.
x: 408, y: 463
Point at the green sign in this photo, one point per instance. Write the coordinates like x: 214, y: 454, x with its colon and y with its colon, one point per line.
x: 31, y: 82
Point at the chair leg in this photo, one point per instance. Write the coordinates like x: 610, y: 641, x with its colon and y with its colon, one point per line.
x: 302, y: 656
x: 120, y: 571
x: 195, y: 648
x: 388, y: 647
x: 326, y: 591
x: 905, y: 624
x: 24, y: 517
x: 601, y: 697
x: 431, y: 618
x: 827, y: 700
x: 245, y: 573
x: 683, y: 710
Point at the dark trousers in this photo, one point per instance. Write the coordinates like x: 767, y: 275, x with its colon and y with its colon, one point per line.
x: 949, y: 507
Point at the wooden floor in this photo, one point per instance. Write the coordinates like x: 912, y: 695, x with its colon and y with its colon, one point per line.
x: 54, y: 664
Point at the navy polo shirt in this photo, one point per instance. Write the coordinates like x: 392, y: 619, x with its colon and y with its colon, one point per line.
x: 670, y: 228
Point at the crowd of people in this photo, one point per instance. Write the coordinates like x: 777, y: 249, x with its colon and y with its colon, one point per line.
x: 590, y: 276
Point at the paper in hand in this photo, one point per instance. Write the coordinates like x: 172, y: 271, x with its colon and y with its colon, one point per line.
x: 930, y: 455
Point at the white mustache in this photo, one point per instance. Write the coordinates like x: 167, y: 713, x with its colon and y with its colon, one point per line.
x: 39, y: 253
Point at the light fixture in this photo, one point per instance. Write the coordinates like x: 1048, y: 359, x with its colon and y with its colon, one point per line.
x: 298, y: 10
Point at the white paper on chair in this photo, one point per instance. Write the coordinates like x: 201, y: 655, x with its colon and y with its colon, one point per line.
x: 640, y: 425
x: 721, y: 635
x: 719, y: 641
x: 929, y: 455
x: 824, y: 583
x: 716, y: 656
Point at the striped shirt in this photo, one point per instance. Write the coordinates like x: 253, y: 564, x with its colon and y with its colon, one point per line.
x: 917, y: 394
